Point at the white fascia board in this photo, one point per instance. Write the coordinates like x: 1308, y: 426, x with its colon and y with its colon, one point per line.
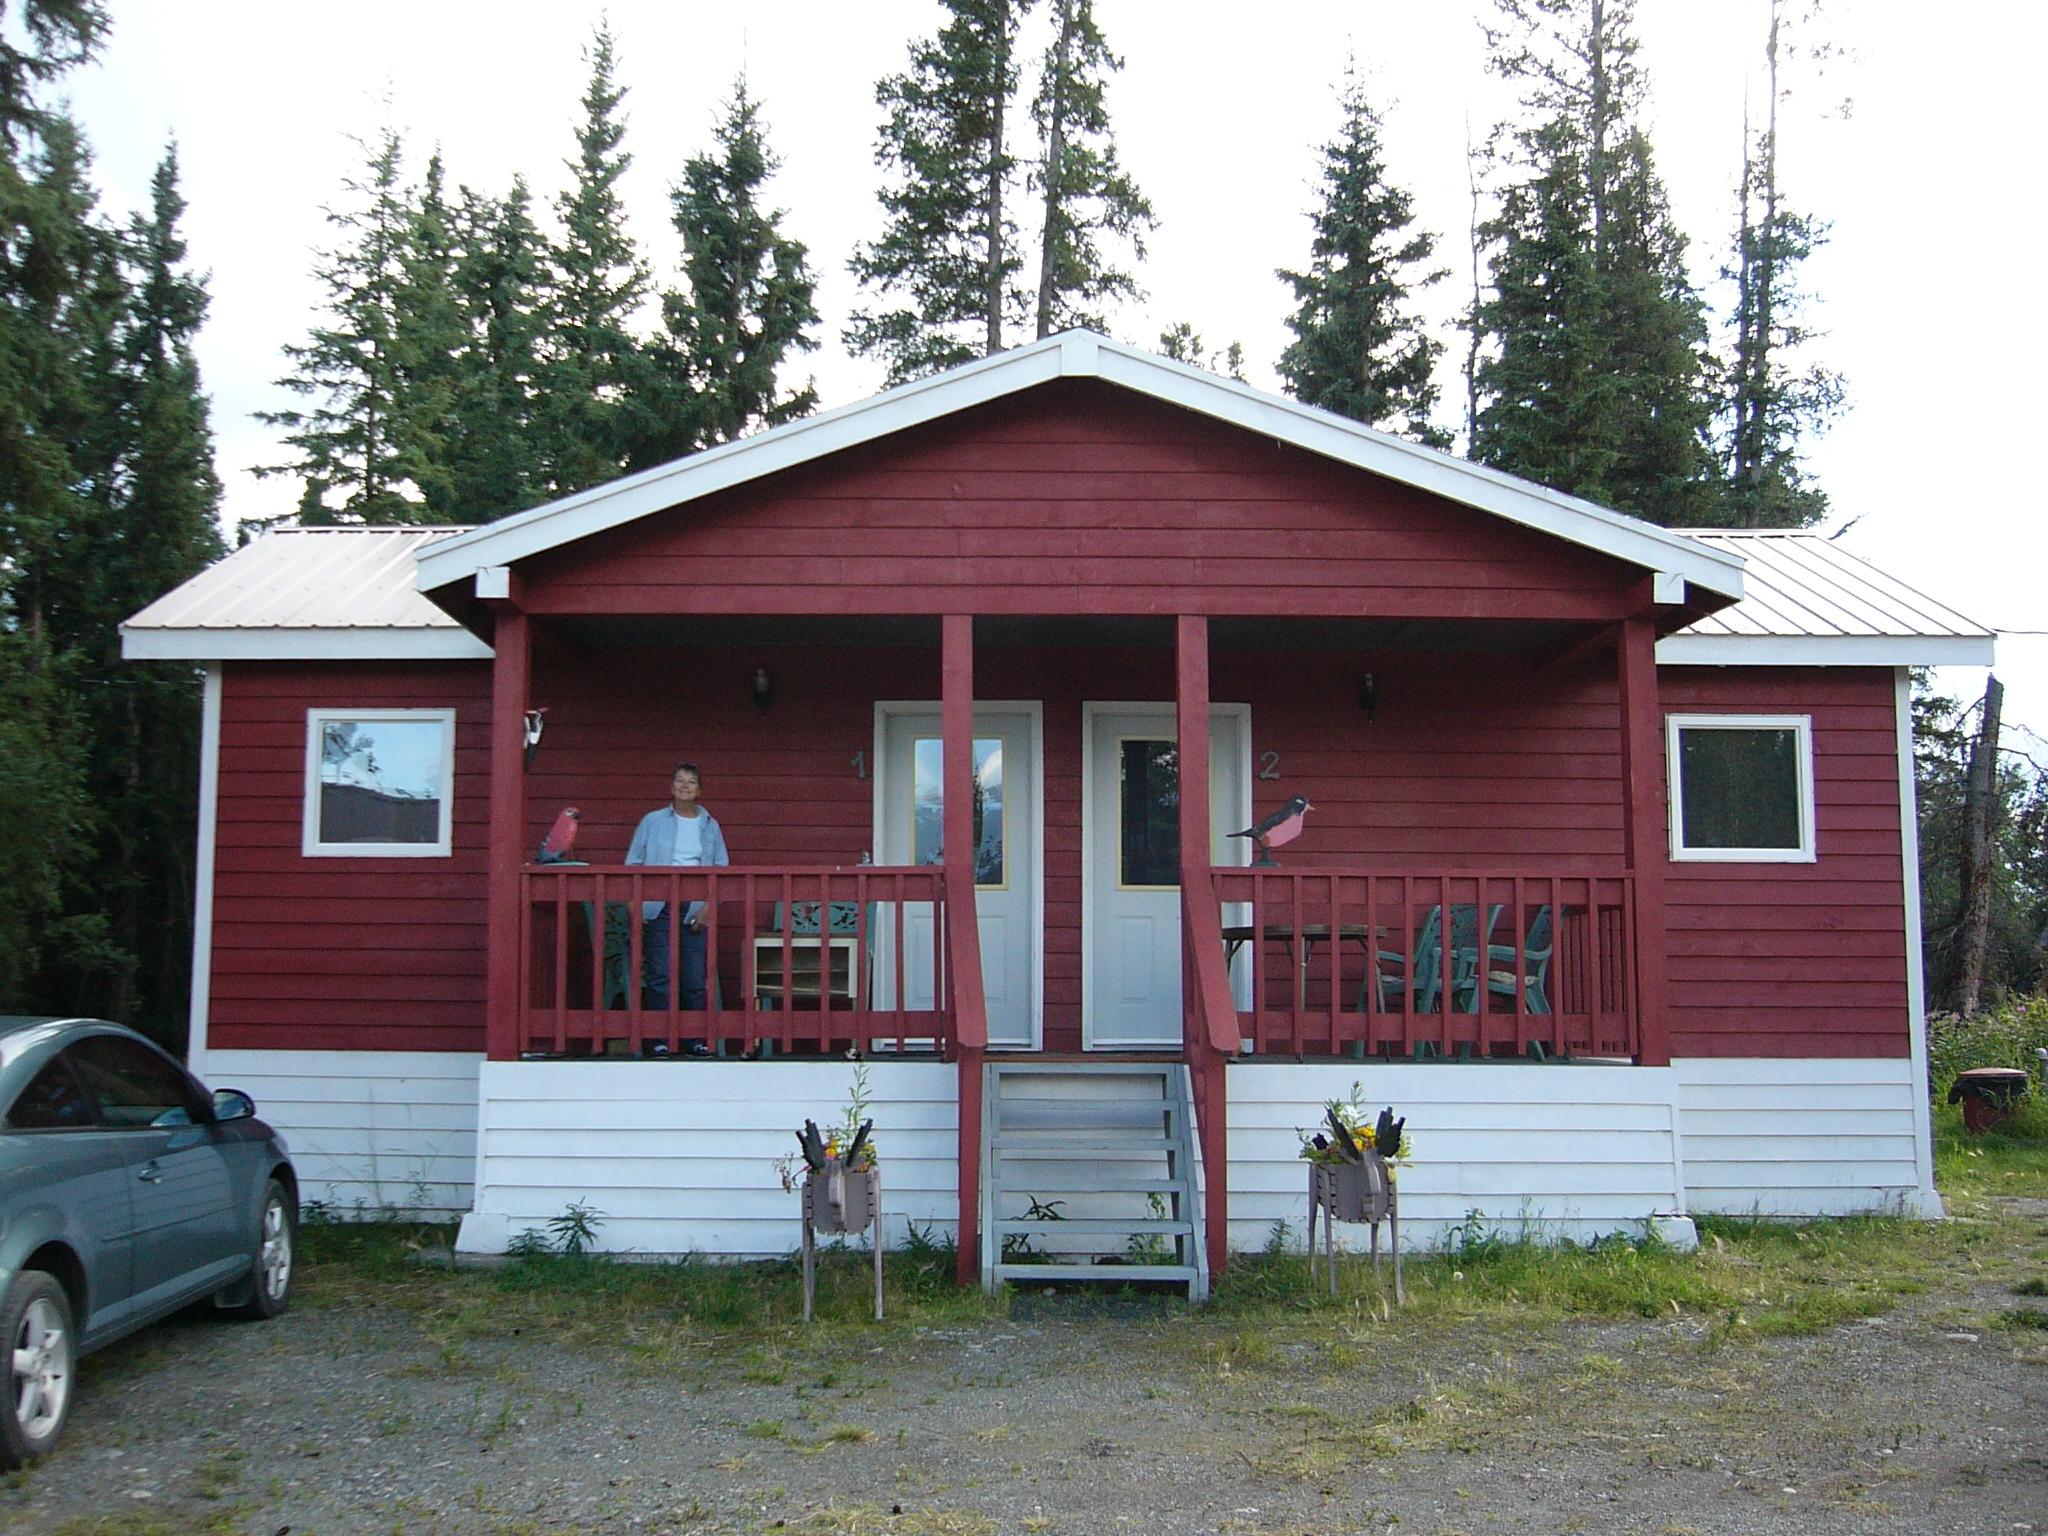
x: 1825, y: 650
x: 302, y: 645
x: 1080, y: 354
x: 717, y: 469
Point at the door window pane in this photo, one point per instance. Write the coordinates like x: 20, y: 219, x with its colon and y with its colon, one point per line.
x: 928, y: 807
x: 52, y: 1101
x: 1149, y: 801
x: 134, y: 1086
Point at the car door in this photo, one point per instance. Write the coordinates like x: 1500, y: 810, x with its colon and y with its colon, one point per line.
x: 66, y: 1176
x: 190, y: 1232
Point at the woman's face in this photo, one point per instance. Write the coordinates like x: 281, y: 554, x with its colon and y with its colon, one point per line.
x: 682, y: 789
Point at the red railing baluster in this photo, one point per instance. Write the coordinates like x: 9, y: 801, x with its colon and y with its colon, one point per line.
x: 561, y: 964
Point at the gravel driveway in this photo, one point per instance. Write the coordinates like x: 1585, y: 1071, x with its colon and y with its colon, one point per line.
x: 349, y: 1417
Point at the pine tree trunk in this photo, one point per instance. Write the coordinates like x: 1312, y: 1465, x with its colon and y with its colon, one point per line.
x: 1980, y: 826
x: 1060, y: 64
x: 1472, y: 344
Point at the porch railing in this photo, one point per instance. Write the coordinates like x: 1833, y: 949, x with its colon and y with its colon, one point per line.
x: 796, y: 959
x: 1374, y: 962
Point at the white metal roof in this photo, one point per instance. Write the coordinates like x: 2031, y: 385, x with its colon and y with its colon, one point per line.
x: 305, y: 593
x: 1080, y: 354
x: 1808, y: 601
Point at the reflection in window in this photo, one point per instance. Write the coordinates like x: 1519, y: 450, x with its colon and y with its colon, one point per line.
x: 928, y: 807
x: 1149, y: 845
x: 380, y: 782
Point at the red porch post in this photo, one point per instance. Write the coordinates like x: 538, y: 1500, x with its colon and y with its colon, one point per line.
x: 1642, y: 757
x: 1202, y: 932
x: 511, y: 667
x: 963, y: 931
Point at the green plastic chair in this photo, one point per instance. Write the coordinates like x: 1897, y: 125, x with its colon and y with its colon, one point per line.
x: 1424, y: 968
x: 1537, y: 946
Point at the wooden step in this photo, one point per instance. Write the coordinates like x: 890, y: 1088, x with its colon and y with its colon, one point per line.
x: 1183, y: 1274
x: 1118, y: 1225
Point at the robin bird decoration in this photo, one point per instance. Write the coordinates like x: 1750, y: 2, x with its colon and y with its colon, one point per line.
x: 1283, y: 826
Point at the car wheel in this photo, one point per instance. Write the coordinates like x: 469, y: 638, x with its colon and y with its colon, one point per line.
x: 42, y: 1348
x: 276, y: 1257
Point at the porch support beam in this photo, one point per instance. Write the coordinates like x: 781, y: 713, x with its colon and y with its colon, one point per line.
x: 963, y: 931
x: 1206, y: 1010
x: 511, y: 672
x: 1643, y: 821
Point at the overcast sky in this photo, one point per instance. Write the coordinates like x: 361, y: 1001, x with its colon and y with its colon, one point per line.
x: 1927, y: 177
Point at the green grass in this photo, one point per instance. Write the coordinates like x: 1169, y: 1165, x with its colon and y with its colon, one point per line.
x: 2012, y: 1160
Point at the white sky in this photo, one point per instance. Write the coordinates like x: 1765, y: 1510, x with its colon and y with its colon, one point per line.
x: 1936, y: 225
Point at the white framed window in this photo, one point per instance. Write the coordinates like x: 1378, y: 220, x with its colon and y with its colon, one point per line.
x: 1741, y: 788
x: 380, y: 783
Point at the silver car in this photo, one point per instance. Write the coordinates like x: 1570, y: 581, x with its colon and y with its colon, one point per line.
x: 126, y: 1192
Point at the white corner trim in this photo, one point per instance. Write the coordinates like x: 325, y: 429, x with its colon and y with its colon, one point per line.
x: 1080, y: 354
x: 202, y: 873
x: 1916, y: 963
x: 452, y: 643
x: 1802, y: 728
x: 494, y: 581
x: 1690, y: 650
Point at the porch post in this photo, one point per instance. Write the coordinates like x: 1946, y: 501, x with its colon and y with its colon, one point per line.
x: 511, y: 667
x: 1643, y: 820
x: 963, y: 931
x: 1207, y: 1064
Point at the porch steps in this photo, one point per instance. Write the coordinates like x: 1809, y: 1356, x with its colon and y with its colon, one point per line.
x: 1108, y: 1148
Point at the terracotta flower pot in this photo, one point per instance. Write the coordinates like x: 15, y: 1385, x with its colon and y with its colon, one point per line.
x: 840, y: 1199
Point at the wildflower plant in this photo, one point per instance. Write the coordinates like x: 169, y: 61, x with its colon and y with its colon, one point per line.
x: 1346, y: 1133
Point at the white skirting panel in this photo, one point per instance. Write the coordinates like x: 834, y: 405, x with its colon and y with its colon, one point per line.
x: 370, y: 1132
x: 1828, y: 1136
x: 1550, y: 1152
x: 679, y: 1156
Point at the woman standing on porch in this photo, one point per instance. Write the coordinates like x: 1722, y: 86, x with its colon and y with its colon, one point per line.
x: 680, y: 834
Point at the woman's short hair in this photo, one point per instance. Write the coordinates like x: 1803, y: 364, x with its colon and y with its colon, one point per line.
x: 690, y: 768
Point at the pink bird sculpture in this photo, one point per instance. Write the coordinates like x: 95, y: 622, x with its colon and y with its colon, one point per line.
x: 1283, y: 826
x: 561, y: 838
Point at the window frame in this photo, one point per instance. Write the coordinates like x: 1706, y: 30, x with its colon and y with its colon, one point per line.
x: 1801, y: 726
x: 310, y: 844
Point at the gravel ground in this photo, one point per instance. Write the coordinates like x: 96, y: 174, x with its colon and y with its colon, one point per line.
x: 345, y: 1418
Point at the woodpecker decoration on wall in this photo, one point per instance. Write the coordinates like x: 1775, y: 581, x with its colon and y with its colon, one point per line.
x: 1283, y: 826
x: 536, y: 725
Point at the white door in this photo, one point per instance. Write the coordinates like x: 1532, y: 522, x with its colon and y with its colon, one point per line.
x: 911, y: 812
x: 1130, y: 829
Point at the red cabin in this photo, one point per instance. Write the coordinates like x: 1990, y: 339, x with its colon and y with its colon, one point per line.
x: 1607, y: 880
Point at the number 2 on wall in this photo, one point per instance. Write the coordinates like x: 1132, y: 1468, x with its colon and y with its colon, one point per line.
x: 1269, y: 765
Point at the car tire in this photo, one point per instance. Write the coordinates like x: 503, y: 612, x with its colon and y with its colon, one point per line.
x: 42, y: 1366
x: 275, y: 1262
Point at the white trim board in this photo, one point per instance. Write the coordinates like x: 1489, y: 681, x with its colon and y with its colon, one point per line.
x: 1801, y: 727
x: 202, y: 873
x: 1916, y: 959
x: 1079, y: 354
x: 1684, y: 650
x: 366, y: 644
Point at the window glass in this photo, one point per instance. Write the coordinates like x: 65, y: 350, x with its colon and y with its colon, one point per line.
x: 1739, y: 787
x: 52, y: 1101
x: 1149, y: 800
x: 928, y: 807
x: 134, y: 1086
x: 379, y: 781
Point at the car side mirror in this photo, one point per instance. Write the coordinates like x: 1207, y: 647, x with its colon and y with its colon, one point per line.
x: 232, y: 1104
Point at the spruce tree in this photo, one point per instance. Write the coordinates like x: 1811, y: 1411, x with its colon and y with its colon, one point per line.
x: 1086, y: 195
x: 595, y: 367
x: 1771, y: 403
x: 749, y: 303
x: 501, y: 284
x: 1183, y: 343
x: 364, y: 451
x: 947, y: 255
x: 1358, y: 348
x: 430, y: 342
x: 1598, y: 381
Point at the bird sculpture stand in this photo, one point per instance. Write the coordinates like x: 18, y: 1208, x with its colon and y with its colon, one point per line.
x: 838, y: 1198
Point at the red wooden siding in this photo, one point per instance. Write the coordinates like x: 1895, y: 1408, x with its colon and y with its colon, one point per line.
x: 1077, y: 497
x: 1471, y: 762
x: 343, y: 953
x: 1798, y: 959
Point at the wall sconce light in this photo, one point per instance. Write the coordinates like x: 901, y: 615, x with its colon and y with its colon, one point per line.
x: 764, y: 689
x: 1368, y: 696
